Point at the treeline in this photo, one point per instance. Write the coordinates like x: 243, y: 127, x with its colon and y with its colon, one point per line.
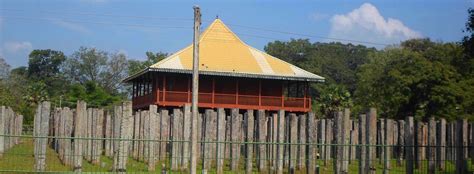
x: 89, y: 74
x: 419, y: 77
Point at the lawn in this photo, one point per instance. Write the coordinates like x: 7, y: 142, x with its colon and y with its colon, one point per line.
x: 20, y: 158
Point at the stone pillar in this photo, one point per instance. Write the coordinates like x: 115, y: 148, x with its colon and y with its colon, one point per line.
x: 388, y: 144
x: 164, y: 132
x: 312, y: 140
x: 250, y: 139
x: 293, y: 135
x: 117, y: 130
x: 371, y: 139
x: 302, y: 140
x: 401, y: 142
x: 42, y: 123
x: 236, y: 138
x: 441, y: 142
x: 431, y: 145
x: 461, y: 138
x: 220, y: 138
x: 79, y: 132
x: 176, y: 145
x: 186, y: 135
x: 261, y: 135
x: 125, y: 134
x: 281, y: 138
x: 363, y: 141
x: 2, y: 129
x: 410, y: 142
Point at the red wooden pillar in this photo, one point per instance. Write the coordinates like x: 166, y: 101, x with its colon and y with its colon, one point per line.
x: 304, y: 94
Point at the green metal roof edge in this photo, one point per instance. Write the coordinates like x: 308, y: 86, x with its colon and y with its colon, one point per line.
x: 227, y: 74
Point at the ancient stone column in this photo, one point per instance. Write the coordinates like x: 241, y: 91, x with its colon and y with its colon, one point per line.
x: 236, y: 129
x: 249, y: 147
x: 410, y: 142
x: 262, y: 135
x: 281, y: 140
x: 42, y: 120
x: 187, y: 135
x: 220, y: 138
x: 2, y: 129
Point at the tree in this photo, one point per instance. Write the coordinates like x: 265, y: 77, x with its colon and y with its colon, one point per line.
x: 44, y: 63
x: 411, y: 80
x: 135, y: 66
x: 100, y: 67
x: 4, y: 69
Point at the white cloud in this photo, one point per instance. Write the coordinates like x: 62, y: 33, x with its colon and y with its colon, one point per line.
x: 367, y: 24
x: 14, y: 47
x: 72, y: 26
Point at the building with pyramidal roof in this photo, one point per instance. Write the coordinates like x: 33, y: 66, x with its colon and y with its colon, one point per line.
x: 232, y: 74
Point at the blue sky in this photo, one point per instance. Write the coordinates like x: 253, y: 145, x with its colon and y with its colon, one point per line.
x: 134, y: 27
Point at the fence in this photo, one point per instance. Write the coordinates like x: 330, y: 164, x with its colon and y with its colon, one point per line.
x: 232, y: 141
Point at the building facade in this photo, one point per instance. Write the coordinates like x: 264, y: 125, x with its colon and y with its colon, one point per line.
x: 232, y: 75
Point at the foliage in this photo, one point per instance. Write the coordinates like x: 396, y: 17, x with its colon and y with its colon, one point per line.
x: 136, y: 66
x: 333, y: 98
x: 91, y: 64
x: 4, y: 69
x: 92, y: 93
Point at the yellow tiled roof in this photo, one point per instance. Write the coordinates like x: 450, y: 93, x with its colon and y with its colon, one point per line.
x: 222, y: 52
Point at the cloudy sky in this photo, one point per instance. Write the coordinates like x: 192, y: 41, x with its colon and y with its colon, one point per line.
x: 136, y: 27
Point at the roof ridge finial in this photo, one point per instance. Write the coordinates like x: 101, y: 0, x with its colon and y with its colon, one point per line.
x: 217, y: 16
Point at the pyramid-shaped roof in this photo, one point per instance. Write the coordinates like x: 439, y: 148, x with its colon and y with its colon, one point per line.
x: 222, y: 53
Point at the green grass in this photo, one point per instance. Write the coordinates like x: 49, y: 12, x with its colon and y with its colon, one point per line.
x: 20, y: 158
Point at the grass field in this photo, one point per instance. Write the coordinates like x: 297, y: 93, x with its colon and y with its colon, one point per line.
x: 20, y: 159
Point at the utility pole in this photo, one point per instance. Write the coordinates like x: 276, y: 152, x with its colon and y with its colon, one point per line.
x: 197, y: 25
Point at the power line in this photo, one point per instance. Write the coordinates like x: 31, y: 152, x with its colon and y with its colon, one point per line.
x: 100, y: 23
x: 104, y: 15
x: 186, y: 19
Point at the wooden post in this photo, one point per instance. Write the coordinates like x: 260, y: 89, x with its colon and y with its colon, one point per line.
x: 431, y: 145
x: 371, y: 139
x: 280, y: 135
x: 250, y: 139
x: 409, y: 141
x: 235, y: 136
x: 363, y: 141
x: 220, y: 138
x: 262, y: 133
x: 197, y: 26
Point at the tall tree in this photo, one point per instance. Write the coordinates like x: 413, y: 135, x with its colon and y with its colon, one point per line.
x: 4, y: 69
x: 136, y: 66
x: 45, y: 63
x: 103, y: 68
